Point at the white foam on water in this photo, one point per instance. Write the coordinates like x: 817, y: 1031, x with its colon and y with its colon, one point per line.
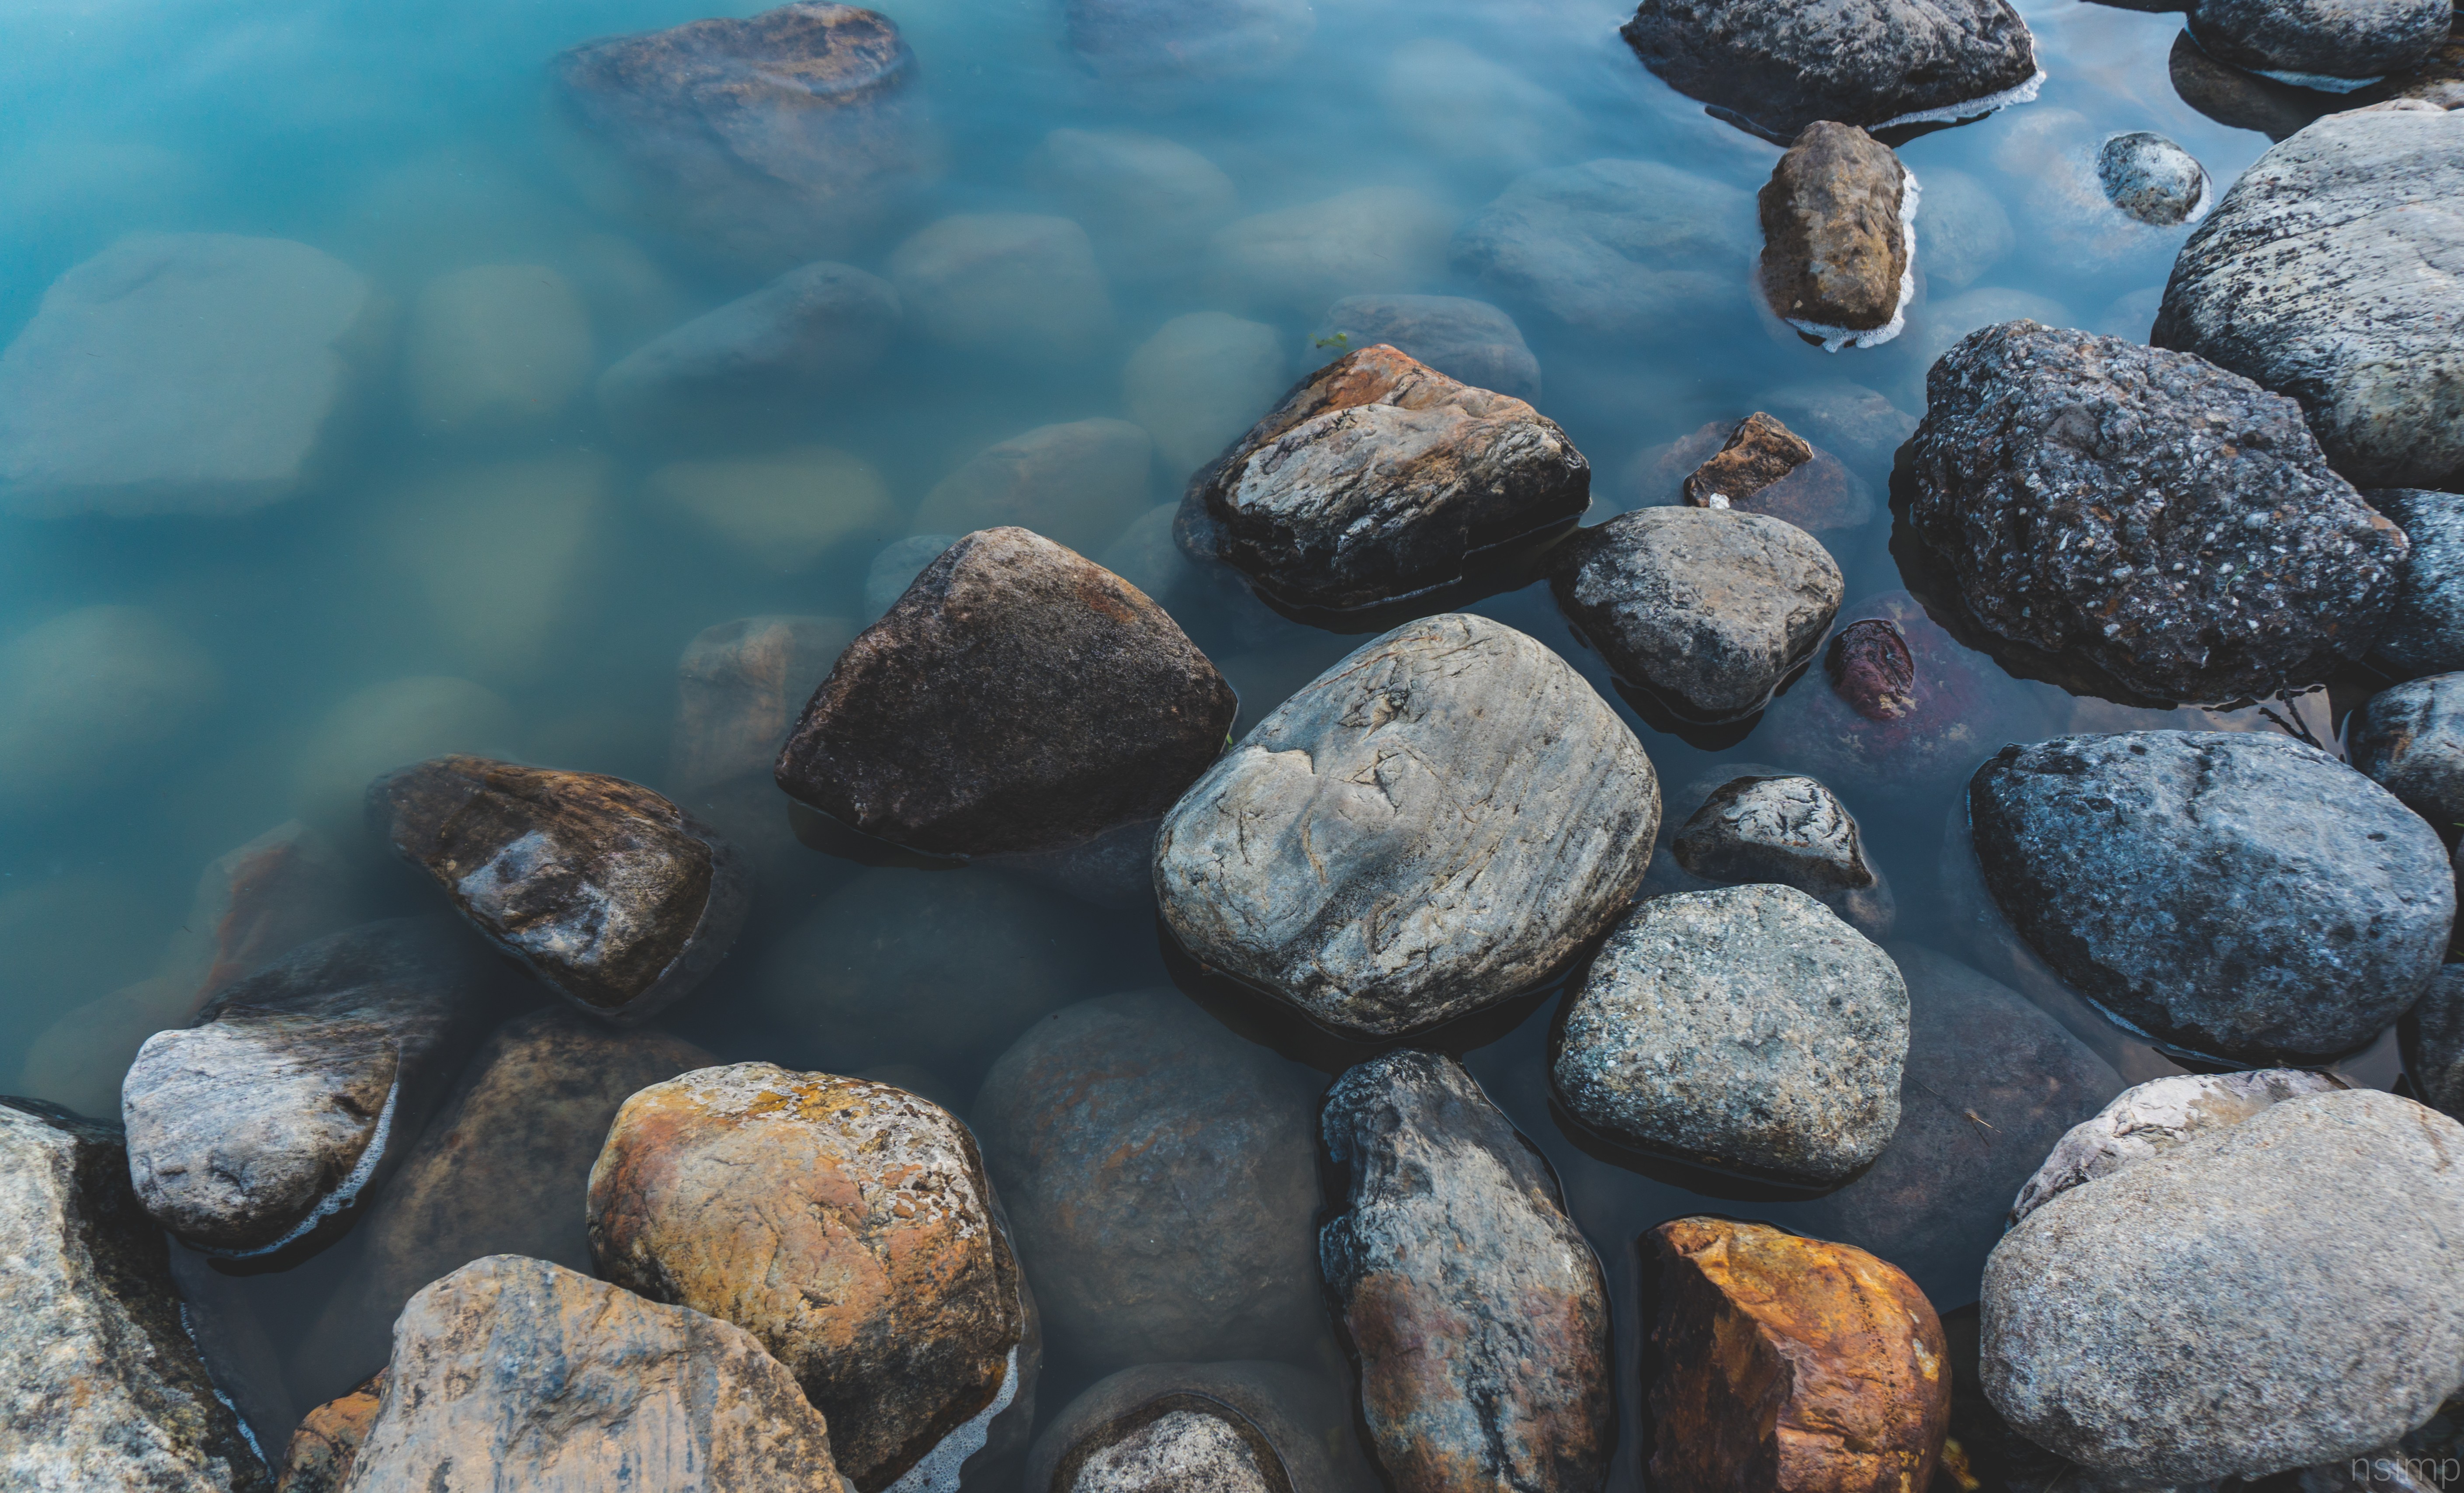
x: 1835, y: 338
x: 938, y: 1471
x: 2024, y: 93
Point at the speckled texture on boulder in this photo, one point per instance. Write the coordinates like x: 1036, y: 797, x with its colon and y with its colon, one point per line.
x: 2149, y: 1119
x: 2165, y: 522
x: 2241, y: 894
x: 1789, y: 829
x: 2244, y: 1303
x: 2425, y: 628
x: 1435, y: 824
x: 1747, y: 1029
x: 326, y: 1445
x: 2321, y: 42
x: 1473, y: 1308
x: 2410, y: 741
x: 1837, y: 237
x: 846, y: 1224
x: 1291, y: 1425
x: 2151, y: 178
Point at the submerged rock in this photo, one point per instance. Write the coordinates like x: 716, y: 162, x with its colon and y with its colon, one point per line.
x: 1301, y: 260
x: 94, y: 695
x: 2409, y: 740
x: 1238, y: 1427
x: 1077, y: 484
x: 1015, y: 285
x: 2150, y: 1119
x: 1613, y: 248
x: 1965, y: 229
x: 1148, y: 202
x: 781, y: 512
x: 1789, y: 829
x: 2425, y: 628
x: 1758, y: 465
x: 1470, y: 341
x: 500, y: 555
x: 1838, y: 243
x: 761, y: 357
x: 1435, y: 824
x: 1200, y: 381
x: 740, y: 686
x: 2330, y: 44
x: 2151, y: 178
x: 494, y: 347
x: 1759, y: 453
x: 1187, y: 41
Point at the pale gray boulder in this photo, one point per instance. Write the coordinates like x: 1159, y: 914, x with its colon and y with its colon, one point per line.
x: 2152, y: 1118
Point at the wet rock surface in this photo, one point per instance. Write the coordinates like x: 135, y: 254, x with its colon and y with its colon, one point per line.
x: 1019, y: 287
x: 1435, y: 824
x: 1836, y: 237
x: 2150, y: 1119
x: 1759, y: 465
x: 2425, y: 628
x: 2433, y: 1041
x: 2294, y: 1317
x: 1613, y: 249
x: 1017, y: 698
x: 761, y: 356
x: 1077, y: 484
x: 1474, y: 1310
x: 1378, y: 477
x: 608, y: 893
x: 1790, y: 1364
x: 2142, y: 511
x: 1759, y: 453
x: 1789, y: 829
x: 2320, y: 43
x: 2236, y: 893
x: 1233, y: 1427
x: 1747, y: 1029
x: 2409, y: 740
x: 884, y: 1283
x: 1709, y: 610
x: 1161, y: 1177
x: 1468, y: 340
x: 2151, y: 178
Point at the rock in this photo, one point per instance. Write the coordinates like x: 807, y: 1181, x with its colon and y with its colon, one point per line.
x: 1840, y: 237
x: 200, y: 374
x: 1747, y: 1029
x: 895, y: 569
x: 2307, y: 279
x: 1774, y: 70
x: 1473, y: 1308
x: 2152, y: 179
x: 609, y: 894
x: 847, y: 1225
x: 501, y: 554
x: 327, y: 1445
x: 387, y: 725
x: 2243, y: 100
x: 1710, y: 610
x: 2425, y: 628
x: 1468, y: 340
x: 1148, y: 202
x: 2150, y: 1119
x: 1871, y: 910
x: 1378, y: 477
x: 2439, y: 80
x: 1077, y: 484
x: 493, y: 347
x: 740, y: 687
x: 1613, y: 248
x: 1790, y: 1364
x: 1395, y: 846
x: 1200, y: 381
x: 1302, y: 259
x: 767, y: 142
x: 1017, y: 698
x: 1789, y: 829
x: 1244, y: 1425
x: 1461, y: 106
x: 2409, y: 740
x: 1161, y: 1177
x: 781, y: 512
x: 1964, y: 229
x: 760, y: 359
x: 1191, y: 40
x: 1756, y: 465
x: 1011, y: 285
x: 1758, y: 453
x: 517, y: 1373
x: 2322, y: 904
x: 2433, y: 1041
x: 2067, y: 212
x: 2205, y: 550
x: 299, y: 1087
x: 94, y: 695
x: 2288, y: 1335
x: 2323, y: 44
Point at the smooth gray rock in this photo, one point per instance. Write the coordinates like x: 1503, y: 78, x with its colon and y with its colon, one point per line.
x: 2433, y: 1041
x: 2237, y: 893
x: 2150, y: 1119
x: 2320, y: 276
x: 1789, y: 829
x: 1212, y: 1428
x: 1747, y: 1029
x: 2329, y: 44
x: 2278, y: 1293
x: 2409, y: 740
x: 763, y: 355
x: 2425, y: 628
x: 2151, y: 178
x: 1470, y: 340
x: 1709, y: 608
x: 1140, y: 42
x: 1438, y: 822
x: 100, y: 1385
x: 1615, y: 249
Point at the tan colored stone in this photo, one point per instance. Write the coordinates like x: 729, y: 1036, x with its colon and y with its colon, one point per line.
x: 1757, y: 454
x: 328, y: 1441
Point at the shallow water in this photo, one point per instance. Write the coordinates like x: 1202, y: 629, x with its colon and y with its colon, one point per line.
x: 408, y: 142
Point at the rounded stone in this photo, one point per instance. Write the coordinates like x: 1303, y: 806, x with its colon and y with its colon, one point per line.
x: 1019, y: 287
x: 756, y: 361
x: 1246, y: 1426
x: 91, y: 694
x: 1615, y: 249
x: 2409, y: 740
x: 2151, y: 178
x: 1200, y: 381
x: 1470, y: 340
x: 494, y: 347
x: 1078, y: 484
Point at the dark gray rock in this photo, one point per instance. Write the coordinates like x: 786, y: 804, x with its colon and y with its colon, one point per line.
x: 2151, y: 178
x: 1222, y: 1428
x: 761, y: 357
x: 2145, y: 513
x: 2150, y: 1119
x: 1747, y: 1029
x: 1789, y: 829
x: 2425, y: 628
x: 2239, y: 894
x: 2409, y: 740
x: 1710, y: 609
x: 1470, y: 341
x: 1775, y: 68
x: 1435, y: 824
x: 891, y: 571
x: 1139, y: 42
x: 1615, y: 249
x: 1473, y: 1308
x: 2244, y: 1303
x: 2433, y: 1041
x: 2311, y: 278
x: 2330, y: 44
x: 1838, y: 241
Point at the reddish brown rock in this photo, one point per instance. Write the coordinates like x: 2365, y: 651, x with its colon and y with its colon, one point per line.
x: 1754, y: 465
x: 1758, y: 453
x: 848, y: 1225
x: 1835, y: 242
x: 613, y: 896
x: 328, y: 1441
x: 1788, y: 1365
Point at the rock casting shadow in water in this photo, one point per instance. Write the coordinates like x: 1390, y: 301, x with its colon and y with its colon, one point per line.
x: 1492, y: 570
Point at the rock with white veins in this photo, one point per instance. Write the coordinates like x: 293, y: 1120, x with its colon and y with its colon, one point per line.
x: 2151, y: 178
x: 2154, y: 1117
x: 1790, y: 830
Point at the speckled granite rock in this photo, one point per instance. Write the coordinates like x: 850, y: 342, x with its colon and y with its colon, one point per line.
x: 2150, y: 1119
x: 1613, y: 248
x: 1747, y: 1029
x: 100, y: 1386
x: 1435, y: 824
x: 1790, y: 830
x: 2425, y: 628
x: 1475, y: 1311
x: 2245, y: 1301
x: 767, y: 355
x: 2433, y: 1041
x: 609, y: 894
x: 2409, y: 740
x: 848, y: 1227
x: 2238, y: 893
x: 1838, y: 235
x: 1790, y: 1365
x: 1470, y: 341
x: 2151, y: 178
x: 2161, y: 519
x: 1236, y: 1427
x: 2330, y: 44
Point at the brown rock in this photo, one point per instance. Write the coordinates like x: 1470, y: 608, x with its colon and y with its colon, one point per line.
x: 1815, y: 493
x: 613, y: 896
x: 328, y: 1441
x: 1758, y: 453
x: 740, y: 686
x: 1236, y: 1427
x: 1790, y: 1364
x: 1835, y: 246
x: 849, y: 1226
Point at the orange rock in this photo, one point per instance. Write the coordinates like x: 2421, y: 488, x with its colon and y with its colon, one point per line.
x: 1790, y: 1365
x: 327, y: 1442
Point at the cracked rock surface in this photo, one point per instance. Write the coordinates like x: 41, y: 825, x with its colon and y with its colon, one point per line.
x: 1790, y: 830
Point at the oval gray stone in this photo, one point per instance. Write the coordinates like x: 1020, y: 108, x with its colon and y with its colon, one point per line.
x: 1790, y: 830
x: 2151, y: 178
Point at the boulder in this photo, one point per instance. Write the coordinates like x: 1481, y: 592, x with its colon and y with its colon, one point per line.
x: 184, y: 373
x: 518, y: 1374
x: 1614, y: 250
x: 2335, y: 45
x: 781, y: 512
x: 2433, y: 1041
x: 1792, y: 831
x: 326, y: 1445
x: 2152, y: 179
x: 2182, y: 1318
x: 1200, y: 381
x: 1161, y: 1177
x: 1165, y: 46
x: 1435, y: 824
x: 1709, y: 610
x: 609, y: 894
x: 2425, y: 627
x: 1301, y: 260
x: 2409, y: 740
x: 740, y: 686
x: 503, y: 555
x: 2150, y: 1119
x: 1474, y: 1310
x: 1745, y: 1028
x: 1017, y: 698
x: 93, y: 696
x: 1965, y: 230
x: 1246, y: 1426
x: 1019, y: 287
x: 1148, y: 202
x: 762, y: 358
x: 848, y: 1227
x: 1838, y: 220
x: 387, y: 725
x: 2167, y: 523
x: 105, y: 1389
x: 1077, y: 484
x: 494, y: 347
x: 1378, y: 477
x: 2309, y: 278
x: 2235, y: 893
x: 1470, y: 341
x: 1790, y: 1364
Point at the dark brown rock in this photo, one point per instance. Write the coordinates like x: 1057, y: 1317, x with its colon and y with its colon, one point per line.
x: 1836, y: 236
x: 327, y: 1443
x: 1871, y: 668
x: 612, y: 896
x: 1238, y: 1427
x: 1018, y: 697
x: 1759, y: 452
x: 1754, y: 465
